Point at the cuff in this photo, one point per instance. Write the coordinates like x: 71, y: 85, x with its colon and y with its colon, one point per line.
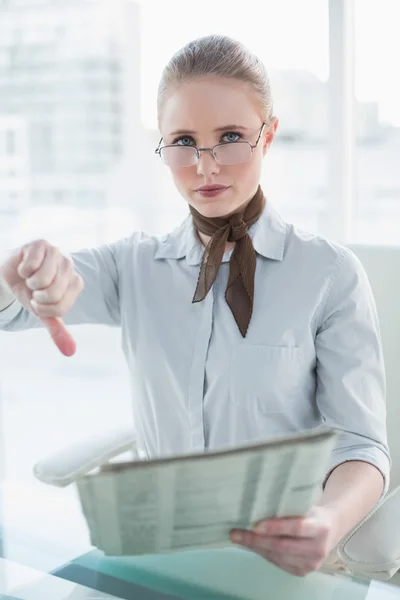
x: 373, y: 455
x: 9, y: 313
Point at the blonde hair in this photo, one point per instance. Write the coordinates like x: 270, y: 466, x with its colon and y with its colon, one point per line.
x: 217, y: 55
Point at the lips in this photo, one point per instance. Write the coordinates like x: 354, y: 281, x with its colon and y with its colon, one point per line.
x: 211, y: 188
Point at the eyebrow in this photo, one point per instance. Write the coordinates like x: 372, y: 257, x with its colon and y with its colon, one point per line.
x: 224, y: 128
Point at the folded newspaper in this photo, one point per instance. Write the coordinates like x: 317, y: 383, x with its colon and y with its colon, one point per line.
x: 194, y: 500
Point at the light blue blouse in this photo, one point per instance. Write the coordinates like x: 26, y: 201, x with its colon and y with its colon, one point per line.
x: 312, y: 355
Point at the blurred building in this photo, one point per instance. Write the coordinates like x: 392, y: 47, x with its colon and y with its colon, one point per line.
x: 71, y: 71
x: 72, y: 139
x: 301, y: 103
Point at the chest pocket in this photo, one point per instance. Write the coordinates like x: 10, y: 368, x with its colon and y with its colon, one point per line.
x: 267, y: 377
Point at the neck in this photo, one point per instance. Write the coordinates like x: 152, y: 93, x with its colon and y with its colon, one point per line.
x: 206, y: 238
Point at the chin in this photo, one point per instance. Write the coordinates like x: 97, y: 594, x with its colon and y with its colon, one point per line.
x: 211, y: 207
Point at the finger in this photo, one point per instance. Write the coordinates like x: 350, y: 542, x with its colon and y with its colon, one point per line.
x: 55, y: 292
x: 306, y: 547
x: 47, y: 272
x: 32, y: 256
x: 307, y: 527
x: 60, y: 335
x: 59, y: 308
x: 296, y: 565
x: 303, y: 547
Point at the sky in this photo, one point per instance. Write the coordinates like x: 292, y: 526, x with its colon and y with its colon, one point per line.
x: 286, y: 34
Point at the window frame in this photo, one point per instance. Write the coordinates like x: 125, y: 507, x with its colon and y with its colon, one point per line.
x: 339, y: 217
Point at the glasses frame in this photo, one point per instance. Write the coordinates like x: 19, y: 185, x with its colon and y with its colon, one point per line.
x: 212, y: 150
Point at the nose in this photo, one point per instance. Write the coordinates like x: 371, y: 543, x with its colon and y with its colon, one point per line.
x: 207, y: 165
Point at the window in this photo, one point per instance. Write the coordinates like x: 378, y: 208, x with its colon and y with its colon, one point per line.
x: 377, y: 174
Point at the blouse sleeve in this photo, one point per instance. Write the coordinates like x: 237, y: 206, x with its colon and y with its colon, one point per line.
x: 351, y: 382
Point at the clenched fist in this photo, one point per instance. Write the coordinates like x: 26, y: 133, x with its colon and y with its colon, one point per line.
x: 44, y: 281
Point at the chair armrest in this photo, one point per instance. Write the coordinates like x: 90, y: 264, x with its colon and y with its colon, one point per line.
x: 74, y: 461
x: 372, y: 548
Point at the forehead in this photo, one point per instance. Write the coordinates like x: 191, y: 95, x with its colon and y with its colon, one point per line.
x: 210, y: 102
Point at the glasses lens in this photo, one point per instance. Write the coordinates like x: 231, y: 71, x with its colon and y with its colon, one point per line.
x: 178, y: 156
x: 233, y: 153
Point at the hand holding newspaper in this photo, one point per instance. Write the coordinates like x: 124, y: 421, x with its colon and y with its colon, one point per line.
x: 193, y: 501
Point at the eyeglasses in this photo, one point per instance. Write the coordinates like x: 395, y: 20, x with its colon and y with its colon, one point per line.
x: 226, y: 153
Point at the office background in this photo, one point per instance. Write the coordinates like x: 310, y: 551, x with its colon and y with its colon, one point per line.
x: 78, y: 84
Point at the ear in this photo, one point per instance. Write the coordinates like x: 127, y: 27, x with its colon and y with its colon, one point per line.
x: 270, y: 134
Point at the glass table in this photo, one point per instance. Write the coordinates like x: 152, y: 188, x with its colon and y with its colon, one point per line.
x: 47, y: 563
x: 199, y: 575
x: 45, y: 550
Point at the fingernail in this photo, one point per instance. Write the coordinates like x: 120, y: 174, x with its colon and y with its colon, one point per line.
x: 34, y: 304
x: 236, y: 536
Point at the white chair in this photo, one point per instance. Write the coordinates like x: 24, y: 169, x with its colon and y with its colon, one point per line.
x: 372, y: 549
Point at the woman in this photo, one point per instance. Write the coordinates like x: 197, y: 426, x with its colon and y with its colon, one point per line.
x: 236, y: 325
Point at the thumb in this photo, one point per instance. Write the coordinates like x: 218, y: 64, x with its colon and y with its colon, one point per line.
x: 60, y: 335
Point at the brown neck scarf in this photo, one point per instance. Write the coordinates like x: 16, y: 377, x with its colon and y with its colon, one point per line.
x: 239, y: 292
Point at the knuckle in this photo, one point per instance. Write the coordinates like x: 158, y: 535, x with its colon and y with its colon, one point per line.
x: 32, y: 257
x: 311, y: 564
x: 40, y: 243
x: 317, y: 556
x: 34, y: 245
x: 35, y: 249
x: 53, y: 253
x: 39, y: 283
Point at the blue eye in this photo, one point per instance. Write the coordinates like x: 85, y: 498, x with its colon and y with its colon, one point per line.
x: 184, y: 141
x: 232, y: 136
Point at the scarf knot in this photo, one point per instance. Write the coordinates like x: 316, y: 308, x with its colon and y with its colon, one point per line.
x: 238, y: 231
